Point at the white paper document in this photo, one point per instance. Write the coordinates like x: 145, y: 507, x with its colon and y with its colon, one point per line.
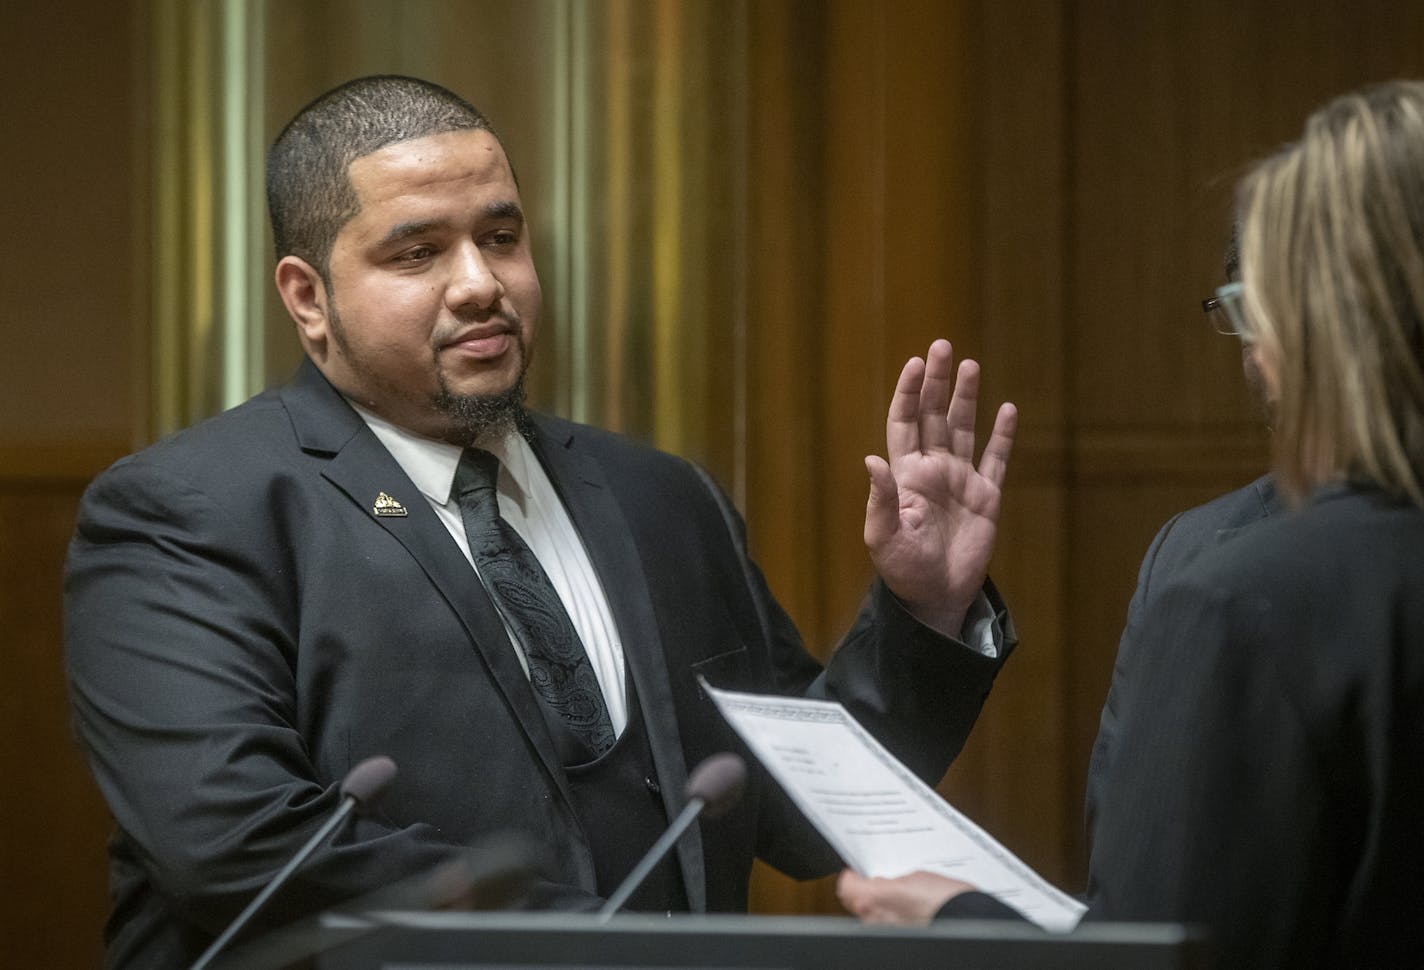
x: 882, y: 819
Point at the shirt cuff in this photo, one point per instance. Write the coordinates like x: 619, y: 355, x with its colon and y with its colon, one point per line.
x: 982, y: 631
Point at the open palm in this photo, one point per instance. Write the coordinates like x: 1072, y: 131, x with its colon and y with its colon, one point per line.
x: 933, y: 515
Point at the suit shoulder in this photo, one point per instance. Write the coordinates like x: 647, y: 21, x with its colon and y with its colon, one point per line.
x: 1346, y: 546
x: 1364, y: 530
x: 1232, y: 510
x: 1339, y: 581
x: 1187, y: 533
x: 235, y: 445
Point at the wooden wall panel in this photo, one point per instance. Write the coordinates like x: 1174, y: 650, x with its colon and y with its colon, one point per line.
x: 853, y: 252
x: 1012, y: 777
x: 782, y: 289
x: 68, y: 284
x: 54, y: 824
x: 74, y: 122
x: 782, y: 351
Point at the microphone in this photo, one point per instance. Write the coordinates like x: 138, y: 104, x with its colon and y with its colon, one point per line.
x: 360, y: 786
x: 494, y: 873
x: 712, y: 789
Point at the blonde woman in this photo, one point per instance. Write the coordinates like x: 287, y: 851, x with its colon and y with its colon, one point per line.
x: 1270, y: 780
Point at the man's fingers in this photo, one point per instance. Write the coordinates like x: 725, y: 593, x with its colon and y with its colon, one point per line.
x: 935, y: 396
x: 962, y: 410
x: 902, y: 427
x: 931, y: 411
x: 995, y: 461
x: 857, y: 894
x: 882, y: 508
x: 848, y: 886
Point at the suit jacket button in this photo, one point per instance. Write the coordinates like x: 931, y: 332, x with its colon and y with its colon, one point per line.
x: 652, y: 785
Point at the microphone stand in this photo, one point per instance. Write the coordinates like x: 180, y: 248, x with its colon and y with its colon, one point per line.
x: 653, y: 857
x: 361, y: 784
x: 348, y: 805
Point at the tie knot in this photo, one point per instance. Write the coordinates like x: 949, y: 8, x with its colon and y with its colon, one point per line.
x: 478, y: 471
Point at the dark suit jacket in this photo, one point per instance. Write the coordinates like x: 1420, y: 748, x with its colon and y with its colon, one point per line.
x: 1267, y: 780
x: 1185, y: 536
x: 242, y: 628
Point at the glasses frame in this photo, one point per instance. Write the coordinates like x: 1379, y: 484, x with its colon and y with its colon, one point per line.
x: 1228, y: 311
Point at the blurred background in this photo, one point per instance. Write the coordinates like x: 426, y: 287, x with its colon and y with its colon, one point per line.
x: 747, y: 214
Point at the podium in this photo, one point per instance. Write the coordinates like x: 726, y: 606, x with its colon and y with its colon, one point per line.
x: 554, y: 941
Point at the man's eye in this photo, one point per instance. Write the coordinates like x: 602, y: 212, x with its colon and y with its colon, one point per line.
x: 503, y: 237
x: 415, y: 254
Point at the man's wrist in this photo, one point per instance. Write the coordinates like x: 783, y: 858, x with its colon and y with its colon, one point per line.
x: 976, y: 626
x: 947, y: 623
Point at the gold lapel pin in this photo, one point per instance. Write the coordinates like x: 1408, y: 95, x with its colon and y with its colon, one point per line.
x: 385, y: 505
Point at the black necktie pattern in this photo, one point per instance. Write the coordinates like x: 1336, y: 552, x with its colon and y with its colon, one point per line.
x: 559, y: 667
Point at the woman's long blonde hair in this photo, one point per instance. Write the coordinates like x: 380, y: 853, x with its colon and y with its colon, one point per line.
x: 1332, y: 261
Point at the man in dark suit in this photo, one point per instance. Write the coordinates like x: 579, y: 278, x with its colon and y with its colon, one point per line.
x: 325, y: 573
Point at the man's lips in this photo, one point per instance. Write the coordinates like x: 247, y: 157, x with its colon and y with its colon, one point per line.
x: 484, y: 343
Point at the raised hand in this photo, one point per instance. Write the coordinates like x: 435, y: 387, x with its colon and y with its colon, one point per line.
x: 933, y: 516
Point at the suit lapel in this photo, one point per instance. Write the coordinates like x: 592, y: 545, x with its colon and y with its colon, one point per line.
x: 362, y: 468
x: 599, y: 520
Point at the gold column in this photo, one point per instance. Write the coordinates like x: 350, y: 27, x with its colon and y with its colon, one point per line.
x: 206, y: 344
x: 670, y: 330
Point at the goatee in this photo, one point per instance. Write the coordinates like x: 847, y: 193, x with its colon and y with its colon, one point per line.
x: 484, y: 417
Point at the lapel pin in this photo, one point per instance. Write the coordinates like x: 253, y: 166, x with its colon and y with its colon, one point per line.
x: 385, y: 505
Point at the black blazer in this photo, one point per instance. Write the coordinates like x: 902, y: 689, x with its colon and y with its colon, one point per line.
x: 1185, y: 536
x: 242, y: 628
x: 1268, y: 781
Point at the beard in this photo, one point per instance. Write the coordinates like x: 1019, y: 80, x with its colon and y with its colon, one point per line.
x: 485, y: 417
x: 472, y: 418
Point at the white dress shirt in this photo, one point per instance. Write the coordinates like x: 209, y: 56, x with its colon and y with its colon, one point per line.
x: 529, y: 503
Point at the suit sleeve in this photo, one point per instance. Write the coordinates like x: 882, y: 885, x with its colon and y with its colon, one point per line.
x: 180, y: 654
x: 918, y: 692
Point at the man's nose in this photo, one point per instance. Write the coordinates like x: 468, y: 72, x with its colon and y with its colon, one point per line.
x: 473, y: 284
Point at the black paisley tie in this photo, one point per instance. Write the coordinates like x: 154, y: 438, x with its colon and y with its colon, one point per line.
x: 559, y: 667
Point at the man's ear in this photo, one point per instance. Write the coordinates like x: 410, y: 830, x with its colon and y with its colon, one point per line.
x: 304, y: 295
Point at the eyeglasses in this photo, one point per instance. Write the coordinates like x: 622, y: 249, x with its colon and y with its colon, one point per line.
x: 1227, y: 310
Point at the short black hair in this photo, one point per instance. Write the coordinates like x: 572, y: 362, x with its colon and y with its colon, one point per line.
x: 309, y: 192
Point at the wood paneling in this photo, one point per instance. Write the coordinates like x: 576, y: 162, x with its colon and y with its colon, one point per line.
x: 1019, y: 136
x: 74, y: 122
x: 69, y: 280
x: 54, y: 825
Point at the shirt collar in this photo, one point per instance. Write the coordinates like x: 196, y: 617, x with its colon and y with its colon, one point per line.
x: 431, y: 464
